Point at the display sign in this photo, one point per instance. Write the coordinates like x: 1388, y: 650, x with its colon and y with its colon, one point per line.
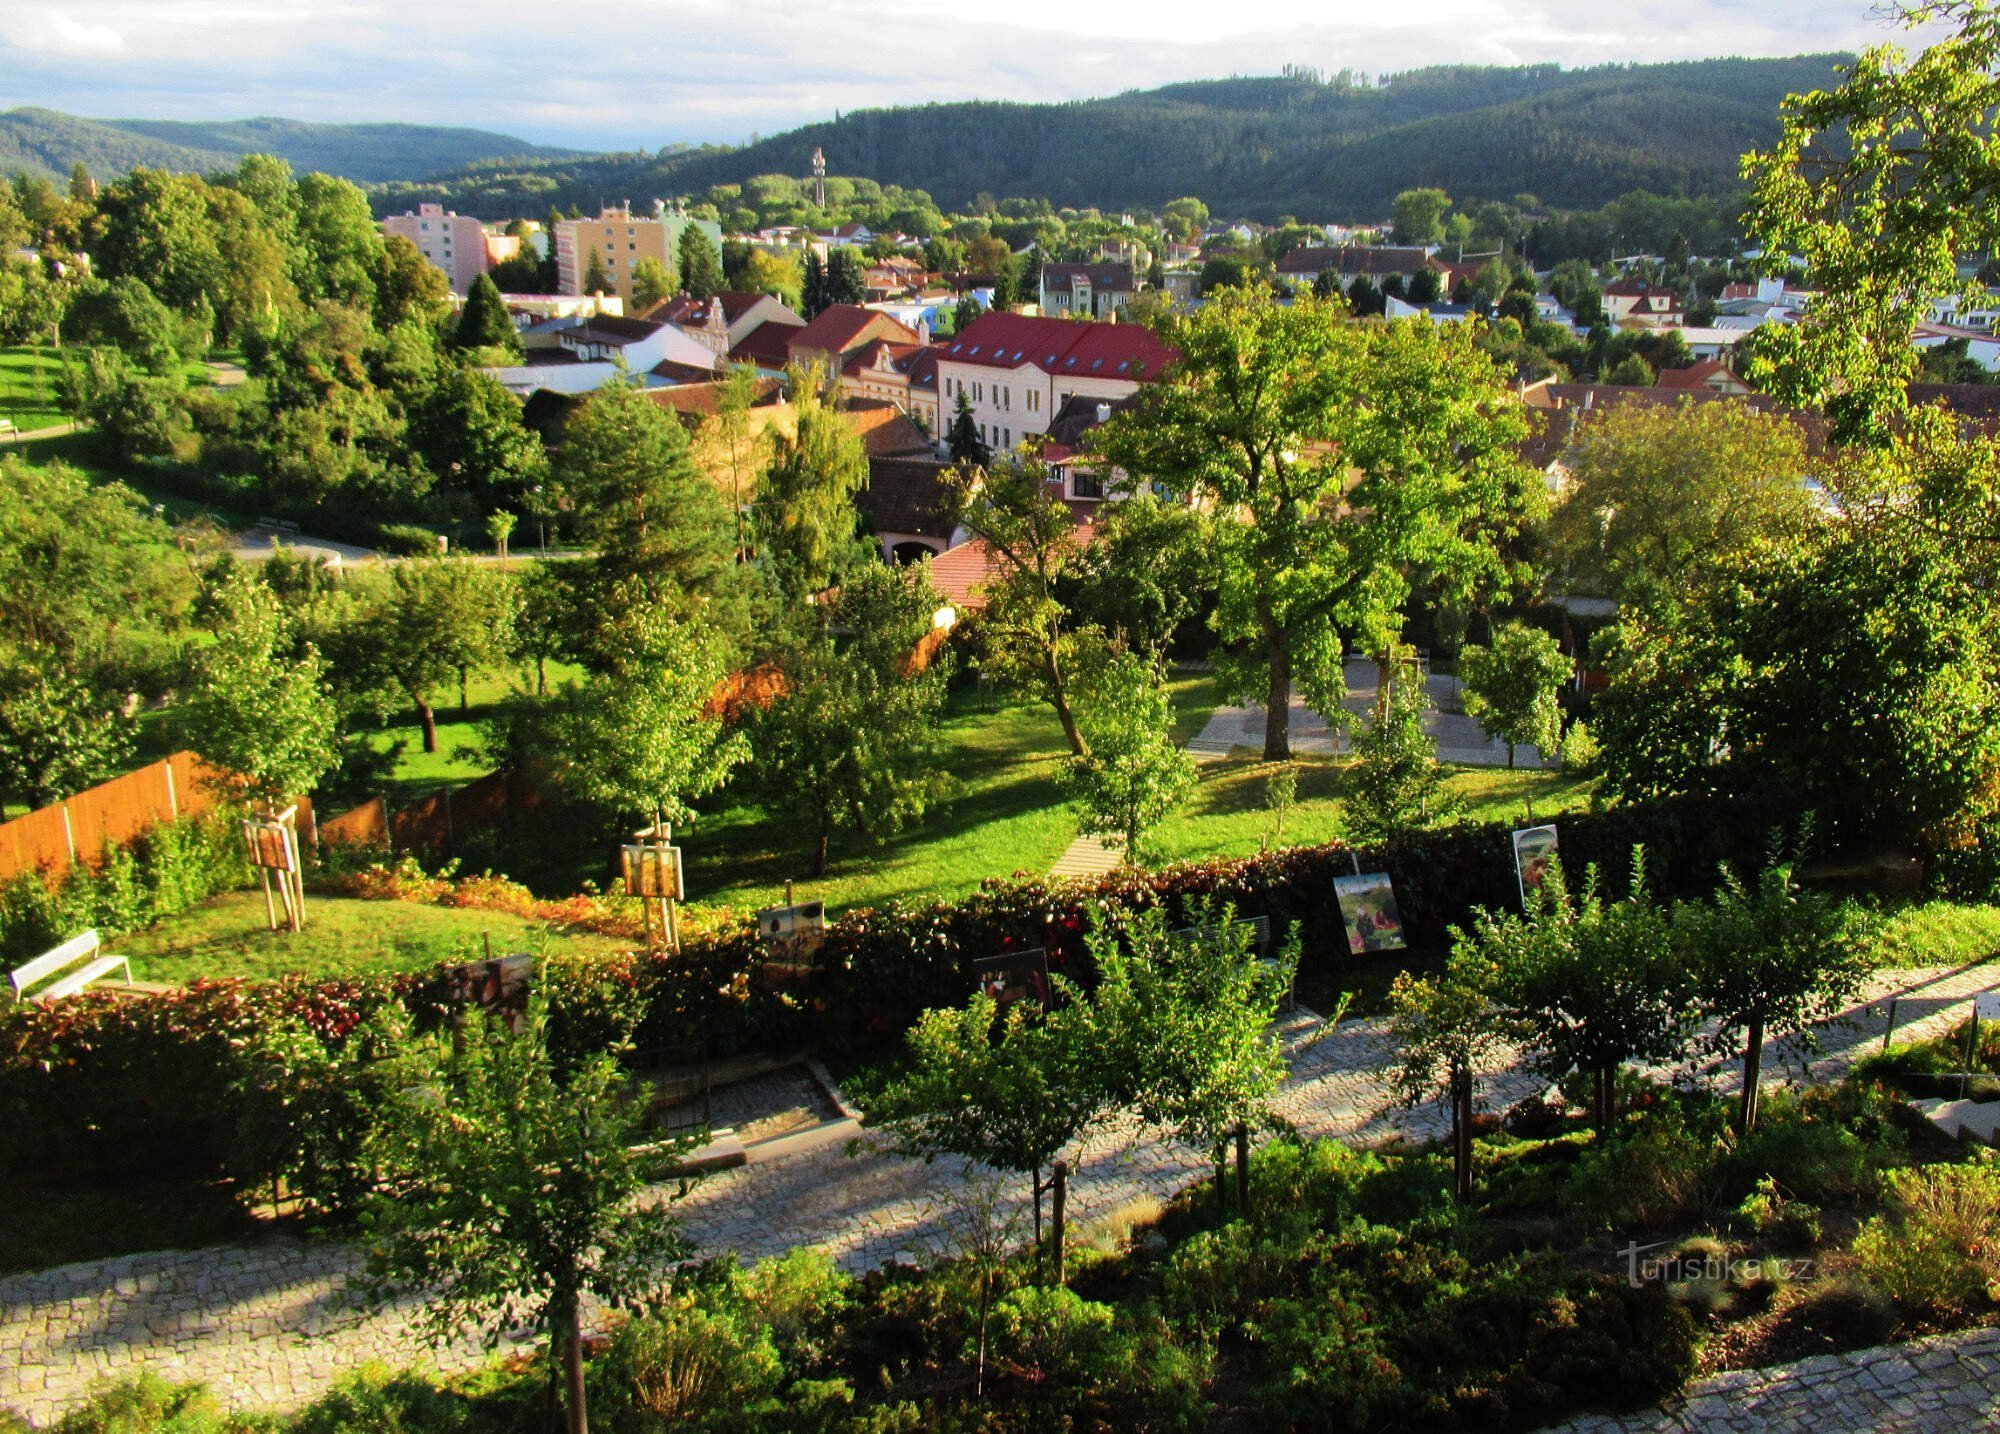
x: 270, y: 844
x: 793, y: 934
x: 653, y: 873
x: 1014, y: 976
x: 1534, y: 849
x: 497, y: 987
x: 1368, y: 906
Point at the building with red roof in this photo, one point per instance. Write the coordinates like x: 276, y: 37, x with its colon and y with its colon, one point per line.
x: 840, y: 331
x: 1016, y: 372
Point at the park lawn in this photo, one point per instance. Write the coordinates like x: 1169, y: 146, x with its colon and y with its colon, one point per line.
x: 1935, y: 932
x: 28, y: 375
x: 76, y: 450
x: 1227, y: 814
x: 343, y: 936
x: 418, y: 773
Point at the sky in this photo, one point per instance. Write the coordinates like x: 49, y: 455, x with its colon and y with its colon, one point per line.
x: 640, y: 74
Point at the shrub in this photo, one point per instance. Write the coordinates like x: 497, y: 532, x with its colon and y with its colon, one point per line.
x: 800, y: 1300
x: 1939, y: 1253
x: 1768, y: 1211
x: 145, y: 1404
x: 375, y: 1401
x: 406, y: 540
x: 1810, y: 1157
x: 1656, y: 1171
x: 1052, y: 1336
x: 685, y: 1366
x: 1216, y: 1278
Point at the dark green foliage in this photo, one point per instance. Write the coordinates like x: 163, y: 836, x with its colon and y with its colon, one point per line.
x: 484, y: 323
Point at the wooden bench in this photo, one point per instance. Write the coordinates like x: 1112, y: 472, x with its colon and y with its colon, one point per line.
x: 82, y: 948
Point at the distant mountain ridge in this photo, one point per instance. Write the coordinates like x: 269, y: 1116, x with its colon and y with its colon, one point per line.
x: 50, y: 142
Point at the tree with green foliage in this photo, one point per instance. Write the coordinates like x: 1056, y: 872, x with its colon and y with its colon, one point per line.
x: 1631, y: 371
x: 1031, y: 538
x: 1880, y: 184
x: 1420, y: 216
x: 434, y: 620
x: 1133, y: 775
x: 595, y: 280
x: 470, y: 433
x: 1396, y: 783
x: 968, y: 449
x: 846, y: 281
x: 637, y: 735
x: 255, y: 702
x: 1513, y: 688
x: 805, y: 514
x: 700, y: 265
x: 1591, y: 983
x: 339, y: 243
x: 652, y: 282
x: 1269, y: 414
x: 1774, y: 960
x: 1011, y: 1092
x: 484, y: 323
x: 813, y: 297
x: 61, y: 730
x: 1182, y: 1024
x: 515, y: 1189
x: 1146, y: 574
x: 408, y: 287
x: 123, y: 314
x: 850, y: 748
x: 1443, y: 1028
x: 734, y: 442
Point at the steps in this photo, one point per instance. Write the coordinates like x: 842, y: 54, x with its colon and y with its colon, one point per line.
x: 1086, y: 856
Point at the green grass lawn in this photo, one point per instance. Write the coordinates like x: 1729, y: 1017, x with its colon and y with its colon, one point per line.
x: 48, y: 1226
x: 28, y: 376
x: 1938, y: 933
x: 342, y: 936
x: 418, y: 773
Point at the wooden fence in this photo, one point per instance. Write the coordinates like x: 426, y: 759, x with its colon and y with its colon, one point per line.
x: 437, y: 823
x: 80, y: 827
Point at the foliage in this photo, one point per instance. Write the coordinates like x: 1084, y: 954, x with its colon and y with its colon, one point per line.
x: 1936, y: 1254
x: 1132, y: 774
x: 1146, y: 577
x: 805, y: 514
x: 700, y: 265
x: 962, y: 438
x: 484, y: 324
x: 512, y: 1189
x: 686, y: 1365
x: 1511, y: 687
x: 1443, y: 1028
x: 1397, y: 783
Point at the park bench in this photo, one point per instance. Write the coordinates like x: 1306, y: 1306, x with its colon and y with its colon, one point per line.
x: 83, y: 949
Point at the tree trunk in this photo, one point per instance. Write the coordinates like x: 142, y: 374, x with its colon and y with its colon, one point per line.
x: 1510, y: 756
x: 1606, y: 1087
x: 1753, y: 1069
x: 1221, y: 1182
x: 1059, y: 699
x: 463, y: 705
x: 1243, y: 1171
x: 1461, y: 1133
x: 1278, y: 700
x: 1038, y: 1209
x: 1058, y: 1216
x: 430, y: 725
x: 541, y: 675
x: 819, y: 855
x: 579, y: 1415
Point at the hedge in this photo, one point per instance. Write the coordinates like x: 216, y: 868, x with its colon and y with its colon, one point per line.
x: 105, y: 1086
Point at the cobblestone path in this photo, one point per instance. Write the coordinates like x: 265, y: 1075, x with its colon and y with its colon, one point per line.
x: 264, y: 1326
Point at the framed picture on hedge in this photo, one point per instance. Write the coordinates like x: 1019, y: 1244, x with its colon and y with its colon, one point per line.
x: 793, y: 934
x: 497, y: 987
x: 1014, y: 976
x: 1534, y: 849
x: 1368, y: 906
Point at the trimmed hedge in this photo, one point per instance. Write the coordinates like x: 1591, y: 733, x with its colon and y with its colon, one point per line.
x: 99, y: 1085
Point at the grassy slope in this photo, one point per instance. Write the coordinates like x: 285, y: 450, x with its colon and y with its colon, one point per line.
x: 28, y: 388
x: 342, y: 936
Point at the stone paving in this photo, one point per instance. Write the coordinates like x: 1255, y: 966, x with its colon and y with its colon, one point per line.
x: 264, y: 1326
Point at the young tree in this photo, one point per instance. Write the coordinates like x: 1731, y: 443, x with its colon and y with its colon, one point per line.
x: 846, y: 281
x: 812, y: 289
x: 1133, y: 774
x: 851, y: 745
x: 435, y: 620
x: 499, y: 528
x: 514, y: 1192
x: 805, y: 514
x: 967, y: 448
x: 1011, y: 1092
x: 484, y: 322
x: 1032, y: 539
x: 1268, y: 413
x: 701, y: 266
x: 651, y: 282
x: 1182, y: 1024
x: 733, y: 442
x: 1420, y: 216
x: 1397, y: 783
x: 1592, y: 983
x: 255, y: 702
x: 1511, y: 688
x: 1442, y: 1028
x: 1774, y: 959
x: 595, y: 280
x: 470, y: 433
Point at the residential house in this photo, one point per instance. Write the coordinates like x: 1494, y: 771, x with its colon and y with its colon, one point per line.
x: 620, y: 239
x: 1642, y: 304
x: 454, y: 243
x: 902, y: 374
x: 910, y: 506
x: 1091, y: 291
x: 1379, y: 262
x: 1709, y: 375
x: 724, y: 321
x: 1016, y: 371
x: 840, y: 331
x: 582, y: 355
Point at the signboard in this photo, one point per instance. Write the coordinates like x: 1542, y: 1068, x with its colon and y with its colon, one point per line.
x: 269, y: 844
x: 1014, y: 976
x: 653, y: 873
x: 1986, y: 1006
x: 793, y: 934
x: 1368, y: 906
x: 1534, y: 849
x: 497, y: 987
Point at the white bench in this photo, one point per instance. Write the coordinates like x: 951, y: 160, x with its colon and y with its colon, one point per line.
x: 82, y: 948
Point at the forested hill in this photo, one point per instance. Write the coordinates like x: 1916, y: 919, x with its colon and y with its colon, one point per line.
x: 49, y: 142
x: 1260, y: 147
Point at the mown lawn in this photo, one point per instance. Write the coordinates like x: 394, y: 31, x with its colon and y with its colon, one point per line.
x: 28, y: 375
x: 342, y: 936
x: 418, y: 773
x: 1938, y: 933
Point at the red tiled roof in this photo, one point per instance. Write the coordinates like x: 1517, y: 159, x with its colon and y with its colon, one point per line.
x: 1059, y: 346
x: 767, y: 345
x: 1694, y: 376
x: 916, y: 362
x: 961, y: 573
x: 839, y: 326
x: 908, y: 495
x: 883, y: 429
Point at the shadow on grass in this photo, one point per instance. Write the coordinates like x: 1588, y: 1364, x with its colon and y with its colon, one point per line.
x: 59, y: 1224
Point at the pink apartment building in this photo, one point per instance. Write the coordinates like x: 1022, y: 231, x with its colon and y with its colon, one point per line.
x: 452, y: 242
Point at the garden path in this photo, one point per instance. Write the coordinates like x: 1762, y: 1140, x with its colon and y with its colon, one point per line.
x: 262, y: 1323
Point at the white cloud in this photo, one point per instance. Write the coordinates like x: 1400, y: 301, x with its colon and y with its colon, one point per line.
x: 53, y: 32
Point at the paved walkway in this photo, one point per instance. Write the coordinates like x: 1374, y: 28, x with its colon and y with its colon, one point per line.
x: 262, y: 1323
x: 1459, y: 739
x: 1087, y: 856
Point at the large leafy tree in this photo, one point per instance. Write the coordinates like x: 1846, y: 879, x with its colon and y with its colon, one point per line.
x: 1659, y: 496
x: 1145, y: 576
x: 1026, y: 626
x: 700, y: 265
x: 805, y: 513
x: 61, y: 730
x: 1880, y: 184
x: 433, y: 621
x: 1346, y: 464
x: 339, y: 244
x: 514, y: 1190
x: 652, y: 282
x: 484, y: 324
x: 471, y: 435
x: 850, y: 747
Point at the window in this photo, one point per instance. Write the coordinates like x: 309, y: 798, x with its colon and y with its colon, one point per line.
x: 631, y: 246
x: 1085, y: 485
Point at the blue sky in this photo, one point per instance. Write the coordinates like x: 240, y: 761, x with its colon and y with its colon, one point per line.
x: 644, y: 73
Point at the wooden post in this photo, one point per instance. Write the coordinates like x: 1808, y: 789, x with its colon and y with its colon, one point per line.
x: 1243, y: 1171
x: 270, y: 910
x: 1971, y: 1050
x: 1057, y: 1223
x: 1891, y: 1029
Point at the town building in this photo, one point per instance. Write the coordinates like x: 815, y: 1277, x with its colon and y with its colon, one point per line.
x: 840, y: 331
x: 1016, y: 371
x: 620, y: 239
x: 454, y: 243
x: 1091, y: 291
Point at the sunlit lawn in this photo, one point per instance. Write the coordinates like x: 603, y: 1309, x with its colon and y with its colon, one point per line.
x: 28, y: 387
x: 1938, y: 933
